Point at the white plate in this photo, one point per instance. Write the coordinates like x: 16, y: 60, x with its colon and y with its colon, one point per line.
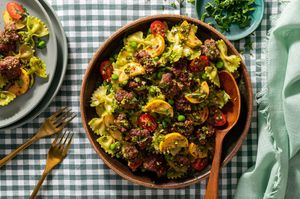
x: 22, y: 105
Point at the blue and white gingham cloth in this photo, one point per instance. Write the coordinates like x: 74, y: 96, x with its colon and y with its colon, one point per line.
x: 87, y: 23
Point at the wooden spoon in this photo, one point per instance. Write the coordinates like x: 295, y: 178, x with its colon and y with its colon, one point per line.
x: 232, y: 112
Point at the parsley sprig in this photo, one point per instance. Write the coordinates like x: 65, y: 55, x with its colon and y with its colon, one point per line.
x: 228, y: 12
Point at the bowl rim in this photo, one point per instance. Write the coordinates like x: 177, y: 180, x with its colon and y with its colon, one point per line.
x: 94, y: 61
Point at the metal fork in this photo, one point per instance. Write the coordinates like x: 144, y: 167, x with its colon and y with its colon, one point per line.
x: 52, y: 125
x: 57, y: 152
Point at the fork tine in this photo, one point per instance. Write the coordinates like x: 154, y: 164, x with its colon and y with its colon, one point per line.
x: 55, y: 140
x: 57, y: 113
x: 62, y: 115
x: 66, y: 120
x: 69, y: 144
x: 61, y: 139
x: 67, y: 137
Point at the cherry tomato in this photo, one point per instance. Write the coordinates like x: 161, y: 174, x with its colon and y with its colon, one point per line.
x: 106, y: 70
x: 148, y: 122
x: 200, y: 164
x: 133, y: 165
x: 15, y: 10
x: 217, y: 118
x: 199, y: 64
x: 158, y: 27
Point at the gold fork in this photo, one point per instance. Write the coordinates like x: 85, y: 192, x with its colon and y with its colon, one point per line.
x: 57, y: 152
x: 52, y: 125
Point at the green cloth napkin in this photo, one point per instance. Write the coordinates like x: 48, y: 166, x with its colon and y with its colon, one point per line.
x: 276, y: 173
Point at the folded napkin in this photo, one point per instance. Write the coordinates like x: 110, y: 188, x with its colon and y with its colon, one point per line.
x: 276, y: 173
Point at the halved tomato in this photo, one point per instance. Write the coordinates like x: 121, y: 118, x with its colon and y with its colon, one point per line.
x: 158, y: 27
x: 15, y: 10
x: 106, y: 70
x: 146, y: 121
x: 217, y: 118
x: 200, y: 163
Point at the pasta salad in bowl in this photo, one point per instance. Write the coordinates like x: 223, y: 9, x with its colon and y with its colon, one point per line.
x: 152, y: 106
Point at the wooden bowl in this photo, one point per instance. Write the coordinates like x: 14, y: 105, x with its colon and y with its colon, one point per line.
x: 233, y: 140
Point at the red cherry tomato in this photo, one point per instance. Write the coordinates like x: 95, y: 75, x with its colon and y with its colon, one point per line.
x: 133, y: 165
x: 146, y: 121
x: 199, y: 64
x: 158, y: 27
x: 106, y: 70
x: 15, y: 10
x: 217, y: 118
x: 200, y: 164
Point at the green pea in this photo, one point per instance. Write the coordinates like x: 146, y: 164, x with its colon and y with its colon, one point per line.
x: 114, y: 77
x: 133, y: 44
x: 181, y: 118
x: 171, y: 102
x: 41, y: 44
x: 112, y: 146
x: 220, y: 64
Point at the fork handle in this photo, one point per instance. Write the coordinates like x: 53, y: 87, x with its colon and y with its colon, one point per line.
x: 39, y: 184
x: 18, y: 150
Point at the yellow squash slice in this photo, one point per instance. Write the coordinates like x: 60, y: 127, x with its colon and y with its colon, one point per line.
x: 203, y: 115
x: 157, y: 46
x: 160, y: 107
x: 22, y: 85
x: 131, y: 70
x: 196, y: 152
x: 173, y: 143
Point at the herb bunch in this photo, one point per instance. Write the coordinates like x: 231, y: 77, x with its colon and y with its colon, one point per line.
x: 228, y: 12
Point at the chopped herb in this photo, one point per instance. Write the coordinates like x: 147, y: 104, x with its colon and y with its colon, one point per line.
x: 191, y: 1
x: 228, y: 12
x: 173, y: 5
x: 20, y: 82
x: 248, y: 44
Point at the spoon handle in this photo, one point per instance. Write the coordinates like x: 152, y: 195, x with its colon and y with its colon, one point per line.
x: 213, y: 182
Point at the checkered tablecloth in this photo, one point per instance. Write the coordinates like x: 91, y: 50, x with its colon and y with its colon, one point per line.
x: 82, y: 174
